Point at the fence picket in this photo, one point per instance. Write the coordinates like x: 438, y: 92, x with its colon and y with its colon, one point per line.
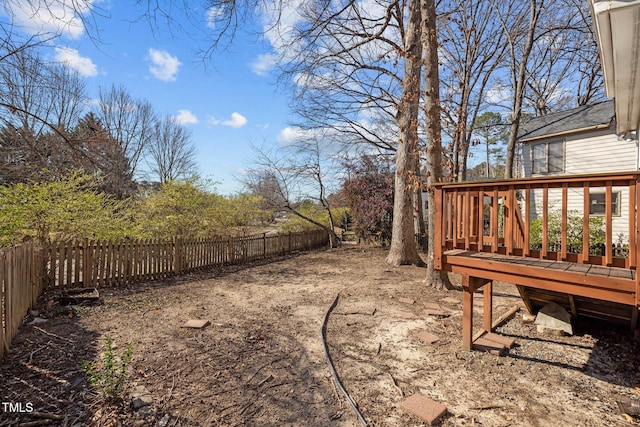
x: 27, y: 270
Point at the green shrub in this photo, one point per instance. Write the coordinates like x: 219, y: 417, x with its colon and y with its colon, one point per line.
x: 574, y: 230
x: 71, y: 207
x: 109, y: 376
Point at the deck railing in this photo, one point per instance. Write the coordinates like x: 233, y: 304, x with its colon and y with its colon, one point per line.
x: 589, y: 219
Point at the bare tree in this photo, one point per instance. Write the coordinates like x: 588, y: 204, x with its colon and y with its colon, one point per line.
x: 130, y: 121
x: 171, y: 151
x: 342, y: 67
x: 64, y: 90
x: 472, y: 48
x: 521, y: 30
x: 38, y: 96
x: 284, y: 181
x: 557, y: 75
x: 40, y: 106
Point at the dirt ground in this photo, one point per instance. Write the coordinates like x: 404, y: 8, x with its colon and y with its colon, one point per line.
x: 261, y: 361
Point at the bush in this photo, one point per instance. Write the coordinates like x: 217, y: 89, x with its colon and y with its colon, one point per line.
x: 71, y: 207
x: 110, y: 376
x: 574, y: 231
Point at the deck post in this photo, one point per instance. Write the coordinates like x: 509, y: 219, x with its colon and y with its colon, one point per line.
x: 467, y: 312
x: 487, y: 296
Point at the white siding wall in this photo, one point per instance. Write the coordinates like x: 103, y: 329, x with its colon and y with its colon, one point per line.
x: 595, y: 152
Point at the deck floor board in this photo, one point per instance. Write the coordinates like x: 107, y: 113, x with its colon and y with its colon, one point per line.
x: 545, y: 264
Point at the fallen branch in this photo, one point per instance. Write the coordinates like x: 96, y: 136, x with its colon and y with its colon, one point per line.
x: 482, y: 408
x: 173, y: 384
x: 364, y: 313
x: 37, y: 350
x: 52, y: 334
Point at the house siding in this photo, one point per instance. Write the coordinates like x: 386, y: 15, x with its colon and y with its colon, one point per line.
x: 589, y: 153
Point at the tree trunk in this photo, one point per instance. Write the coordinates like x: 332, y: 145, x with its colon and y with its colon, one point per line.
x: 535, y: 7
x: 403, y: 245
x: 435, y: 278
x: 418, y: 208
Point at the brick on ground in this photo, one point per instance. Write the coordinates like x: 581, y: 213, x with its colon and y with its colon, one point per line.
x: 427, y: 337
x: 407, y: 301
x: 196, y: 323
x: 450, y: 300
x: 406, y: 315
x: 426, y: 409
x: 432, y: 305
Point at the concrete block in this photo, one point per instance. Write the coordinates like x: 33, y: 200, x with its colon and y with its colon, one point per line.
x: 554, y: 316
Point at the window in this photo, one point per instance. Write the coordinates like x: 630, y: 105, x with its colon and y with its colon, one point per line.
x: 597, y: 204
x: 547, y: 158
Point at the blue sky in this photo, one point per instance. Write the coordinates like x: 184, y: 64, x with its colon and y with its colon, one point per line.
x: 229, y: 103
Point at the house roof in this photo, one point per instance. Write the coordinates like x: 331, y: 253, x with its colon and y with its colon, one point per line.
x: 618, y: 34
x: 586, y: 117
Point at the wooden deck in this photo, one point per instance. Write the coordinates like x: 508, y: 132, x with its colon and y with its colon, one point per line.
x: 485, y: 232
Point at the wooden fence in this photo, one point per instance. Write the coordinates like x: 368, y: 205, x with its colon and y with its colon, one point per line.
x: 21, y: 283
x: 28, y: 270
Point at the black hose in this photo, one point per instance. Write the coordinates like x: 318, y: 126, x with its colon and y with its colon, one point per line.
x: 330, y: 362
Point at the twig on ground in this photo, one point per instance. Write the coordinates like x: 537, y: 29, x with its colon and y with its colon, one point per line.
x: 364, y: 313
x: 37, y: 350
x: 395, y: 383
x: 262, y: 367
x: 482, y: 408
x: 51, y: 334
x: 173, y: 384
x: 244, y: 409
x: 269, y: 378
x: 337, y: 393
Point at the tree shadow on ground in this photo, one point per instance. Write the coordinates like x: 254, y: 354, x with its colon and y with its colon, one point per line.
x: 42, y: 375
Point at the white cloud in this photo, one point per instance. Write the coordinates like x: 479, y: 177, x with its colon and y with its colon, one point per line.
x: 289, y: 135
x: 163, y: 66
x: 53, y: 17
x: 264, y: 63
x: 279, y: 20
x: 497, y: 94
x: 212, y: 15
x: 236, y: 121
x: 72, y: 59
x: 185, y: 117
